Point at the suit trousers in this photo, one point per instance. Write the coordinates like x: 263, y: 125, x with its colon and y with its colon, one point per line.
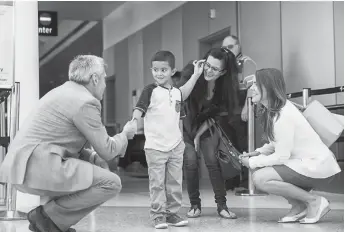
x: 165, y: 173
x: 66, y: 209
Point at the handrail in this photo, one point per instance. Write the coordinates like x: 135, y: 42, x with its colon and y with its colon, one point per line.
x: 307, y: 92
x: 337, y: 89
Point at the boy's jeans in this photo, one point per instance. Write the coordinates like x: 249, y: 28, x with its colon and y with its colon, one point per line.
x: 165, y: 173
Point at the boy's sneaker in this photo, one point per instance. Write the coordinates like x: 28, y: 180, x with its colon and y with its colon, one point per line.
x: 194, y: 211
x: 175, y: 220
x: 160, y: 223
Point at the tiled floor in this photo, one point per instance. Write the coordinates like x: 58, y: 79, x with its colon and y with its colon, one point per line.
x: 129, y: 213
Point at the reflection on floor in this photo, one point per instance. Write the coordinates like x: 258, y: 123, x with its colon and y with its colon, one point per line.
x: 129, y: 213
x: 125, y: 219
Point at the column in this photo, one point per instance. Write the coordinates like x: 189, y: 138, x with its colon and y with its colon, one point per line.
x: 26, y: 72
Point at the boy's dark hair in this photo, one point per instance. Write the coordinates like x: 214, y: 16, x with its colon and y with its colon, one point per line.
x: 164, y: 56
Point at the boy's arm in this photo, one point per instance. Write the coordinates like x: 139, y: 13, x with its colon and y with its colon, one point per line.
x: 187, y: 88
x: 143, y: 102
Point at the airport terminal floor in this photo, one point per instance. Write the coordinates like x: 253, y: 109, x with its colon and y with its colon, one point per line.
x: 129, y: 212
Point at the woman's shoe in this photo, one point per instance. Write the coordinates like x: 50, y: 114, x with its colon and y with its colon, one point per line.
x: 294, y: 218
x: 194, y: 211
x: 322, y: 211
x: 224, y: 212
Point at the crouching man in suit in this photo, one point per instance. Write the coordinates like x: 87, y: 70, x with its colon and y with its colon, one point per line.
x: 47, y: 157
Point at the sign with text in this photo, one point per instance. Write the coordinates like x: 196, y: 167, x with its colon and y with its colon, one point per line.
x: 6, y: 46
x: 47, y: 23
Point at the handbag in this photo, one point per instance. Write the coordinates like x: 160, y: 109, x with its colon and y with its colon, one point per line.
x: 226, y: 153
x: 327, y: 125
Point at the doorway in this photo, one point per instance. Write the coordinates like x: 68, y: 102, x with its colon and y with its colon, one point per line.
x: 213, y: 41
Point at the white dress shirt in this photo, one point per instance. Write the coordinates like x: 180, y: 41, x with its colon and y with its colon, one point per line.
x: 297, y: 146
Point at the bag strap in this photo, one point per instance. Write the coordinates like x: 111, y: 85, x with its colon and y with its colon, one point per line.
x: 209, y: 125
x: 220, y: 132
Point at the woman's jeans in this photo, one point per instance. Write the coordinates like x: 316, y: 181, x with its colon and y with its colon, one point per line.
x: 208, y: 148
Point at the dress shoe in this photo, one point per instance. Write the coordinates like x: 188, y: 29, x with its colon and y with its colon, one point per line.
x: 294, y: 218
x: 40, y: 222
x: 322, y: 211
x: 31, y: 227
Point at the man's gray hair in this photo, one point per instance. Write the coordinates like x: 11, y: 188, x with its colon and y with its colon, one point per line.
x: 83, y: 66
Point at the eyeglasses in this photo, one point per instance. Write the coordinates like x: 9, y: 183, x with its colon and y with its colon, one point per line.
x: 230, y: 46
x: 213, y: 69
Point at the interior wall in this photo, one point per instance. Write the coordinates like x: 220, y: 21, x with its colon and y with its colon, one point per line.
x: 136, y: 65
x: 133, y: 16
x: 152, y: 42
x: 338, y: 8
x: 109, y: 59
x: 121, y: 83
x: 172, y: 35
x: 195, y: 26
x: 308, y: 46
x: 260, y: 33
x: 225, y: 16
x: 260, y: 28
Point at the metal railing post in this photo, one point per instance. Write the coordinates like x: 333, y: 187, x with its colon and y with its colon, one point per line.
x: 11, y: 194
x: 251, y: 147
x: 306, y: 96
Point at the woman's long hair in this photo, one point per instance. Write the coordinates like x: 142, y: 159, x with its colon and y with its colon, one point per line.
x: 272, y: 81
x: 226, y: 86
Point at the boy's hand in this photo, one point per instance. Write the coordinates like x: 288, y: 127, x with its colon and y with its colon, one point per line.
x: 198, y: 67
x: 130, y: 128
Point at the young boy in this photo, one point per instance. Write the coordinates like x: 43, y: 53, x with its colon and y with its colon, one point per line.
x: 160, y: 105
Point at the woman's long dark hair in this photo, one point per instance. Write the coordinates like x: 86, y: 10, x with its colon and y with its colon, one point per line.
x: 272, y: 81
x: 226, y: 86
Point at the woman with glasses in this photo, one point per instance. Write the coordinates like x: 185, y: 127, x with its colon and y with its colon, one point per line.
x: 214, y: 96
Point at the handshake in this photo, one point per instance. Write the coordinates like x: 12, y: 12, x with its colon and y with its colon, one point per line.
x: 130, y: 129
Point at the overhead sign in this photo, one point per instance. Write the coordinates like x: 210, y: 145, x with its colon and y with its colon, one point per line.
x: 6, y: 46
x: 47, y: 23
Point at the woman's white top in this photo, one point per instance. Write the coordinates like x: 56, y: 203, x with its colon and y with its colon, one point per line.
x: 297, y: 146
